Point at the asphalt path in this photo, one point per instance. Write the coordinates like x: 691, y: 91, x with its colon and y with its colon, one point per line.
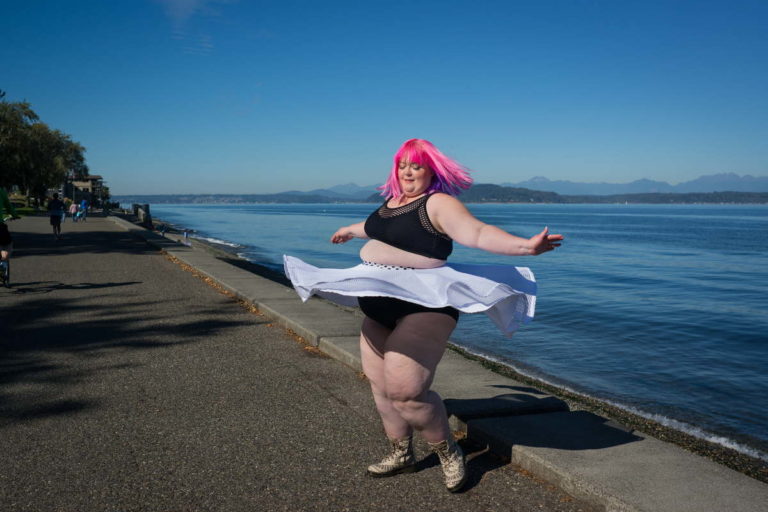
x: 128, y: 383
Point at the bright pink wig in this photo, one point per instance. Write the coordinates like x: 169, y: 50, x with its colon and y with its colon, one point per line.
x: 449, y: 175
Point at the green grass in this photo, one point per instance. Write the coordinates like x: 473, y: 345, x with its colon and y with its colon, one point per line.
x: 24, y: 211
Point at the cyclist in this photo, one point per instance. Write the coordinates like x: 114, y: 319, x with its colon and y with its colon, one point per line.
x: 7, y: 211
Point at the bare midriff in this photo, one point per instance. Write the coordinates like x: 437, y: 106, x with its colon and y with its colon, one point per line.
x: 385, y: 254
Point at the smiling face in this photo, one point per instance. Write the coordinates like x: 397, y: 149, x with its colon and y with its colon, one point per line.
x: 414, y: 178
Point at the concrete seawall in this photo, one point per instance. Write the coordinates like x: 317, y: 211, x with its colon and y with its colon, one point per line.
x: 588, y: 456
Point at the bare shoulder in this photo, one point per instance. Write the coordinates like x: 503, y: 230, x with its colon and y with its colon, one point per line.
x: 446, y: 213
x: 442, y: 206
x: 443, y: 201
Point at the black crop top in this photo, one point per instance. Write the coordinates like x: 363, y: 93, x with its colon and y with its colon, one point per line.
x: 408, y: 228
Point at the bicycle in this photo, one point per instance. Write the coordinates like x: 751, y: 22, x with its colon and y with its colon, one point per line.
x: 5, y: 273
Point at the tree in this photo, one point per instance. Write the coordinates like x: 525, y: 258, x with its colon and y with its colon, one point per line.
x: 15, y: 122
x: 105, y: 194
x: 33, y: 156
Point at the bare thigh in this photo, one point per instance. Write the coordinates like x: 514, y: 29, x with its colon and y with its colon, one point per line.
x: 373, y: 338
x: 402, y: 362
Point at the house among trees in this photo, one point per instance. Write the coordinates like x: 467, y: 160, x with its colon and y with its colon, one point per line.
x: 91, y: 188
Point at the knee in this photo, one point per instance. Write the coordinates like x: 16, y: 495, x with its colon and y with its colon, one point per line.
x: 404, y: 396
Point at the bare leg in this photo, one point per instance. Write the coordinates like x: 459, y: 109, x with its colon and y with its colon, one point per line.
x: 413, y: 352
x: 401, y: 366
x: 373, y: 338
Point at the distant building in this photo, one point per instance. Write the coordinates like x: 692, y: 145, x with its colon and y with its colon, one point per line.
x: 90, y: 189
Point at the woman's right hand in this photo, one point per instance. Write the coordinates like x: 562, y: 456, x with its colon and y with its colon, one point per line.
x: 343, y: 235
x: 347, y: 233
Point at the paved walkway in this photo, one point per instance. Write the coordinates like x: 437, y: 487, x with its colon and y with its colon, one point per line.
x: 127, y: 383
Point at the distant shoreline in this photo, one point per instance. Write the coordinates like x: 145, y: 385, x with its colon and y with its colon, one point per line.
x: 478, y: 194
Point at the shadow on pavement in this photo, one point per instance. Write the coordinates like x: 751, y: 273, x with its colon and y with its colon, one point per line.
x: 49, y: 347
x: 50, y: 286
x: 78, y: 242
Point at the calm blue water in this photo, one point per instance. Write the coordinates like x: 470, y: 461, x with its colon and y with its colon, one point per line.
x: 660, y: 309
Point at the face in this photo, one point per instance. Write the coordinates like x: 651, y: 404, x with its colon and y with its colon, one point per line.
x: 414, y: 179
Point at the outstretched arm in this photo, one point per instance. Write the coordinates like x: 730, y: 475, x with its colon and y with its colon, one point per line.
x: 453, y: 218
x: 347, y: 233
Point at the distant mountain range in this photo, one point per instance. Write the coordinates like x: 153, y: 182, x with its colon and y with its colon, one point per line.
x: 730, y: 182
x: 714, y: 188
x: 347, y: 192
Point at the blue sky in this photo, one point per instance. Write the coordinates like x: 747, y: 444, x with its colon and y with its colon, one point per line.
x: 206, y: 96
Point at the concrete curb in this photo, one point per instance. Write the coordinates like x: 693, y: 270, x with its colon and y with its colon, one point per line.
x: 586, y: 455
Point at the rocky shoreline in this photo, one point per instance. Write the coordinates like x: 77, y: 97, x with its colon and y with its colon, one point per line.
x: 743, y: 463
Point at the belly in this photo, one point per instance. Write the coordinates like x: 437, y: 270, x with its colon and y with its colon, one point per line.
x: 385, y: 254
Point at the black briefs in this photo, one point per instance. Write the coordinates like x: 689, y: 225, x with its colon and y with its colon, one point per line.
x: 387, y: 310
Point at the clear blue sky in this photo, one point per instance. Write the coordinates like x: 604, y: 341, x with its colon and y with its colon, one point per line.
x: 206, y: 96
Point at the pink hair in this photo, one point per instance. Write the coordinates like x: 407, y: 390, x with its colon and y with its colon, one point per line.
x: 449, y: 175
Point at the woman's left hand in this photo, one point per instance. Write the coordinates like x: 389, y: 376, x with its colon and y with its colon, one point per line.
x: 544, y: 242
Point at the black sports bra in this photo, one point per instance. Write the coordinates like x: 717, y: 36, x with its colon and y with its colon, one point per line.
x: 408, y: 228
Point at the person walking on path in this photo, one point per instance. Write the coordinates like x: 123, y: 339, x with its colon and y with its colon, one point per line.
x: 83, y: 209
x: 7, y: 212
x: 55, y: 207
x: 411, y: 298
x: 73, y: 211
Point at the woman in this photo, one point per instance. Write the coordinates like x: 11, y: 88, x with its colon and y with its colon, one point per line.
x: 55, y: 207
x: 402, y: 341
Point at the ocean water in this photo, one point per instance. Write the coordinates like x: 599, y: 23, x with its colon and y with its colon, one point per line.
x: 661, y: 310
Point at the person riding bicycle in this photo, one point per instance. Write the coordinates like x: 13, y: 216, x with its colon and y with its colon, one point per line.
x: 7, y: 211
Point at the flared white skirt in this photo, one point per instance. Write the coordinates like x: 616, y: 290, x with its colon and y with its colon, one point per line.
x: 505, y: 293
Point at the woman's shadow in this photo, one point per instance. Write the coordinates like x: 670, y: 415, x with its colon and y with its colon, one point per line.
x: 526, y: 417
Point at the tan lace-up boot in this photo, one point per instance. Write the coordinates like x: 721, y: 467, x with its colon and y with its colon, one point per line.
x: 401, y: 460
x: 452, y: 461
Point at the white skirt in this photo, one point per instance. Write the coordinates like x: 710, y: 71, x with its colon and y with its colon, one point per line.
x: 505, y: 293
